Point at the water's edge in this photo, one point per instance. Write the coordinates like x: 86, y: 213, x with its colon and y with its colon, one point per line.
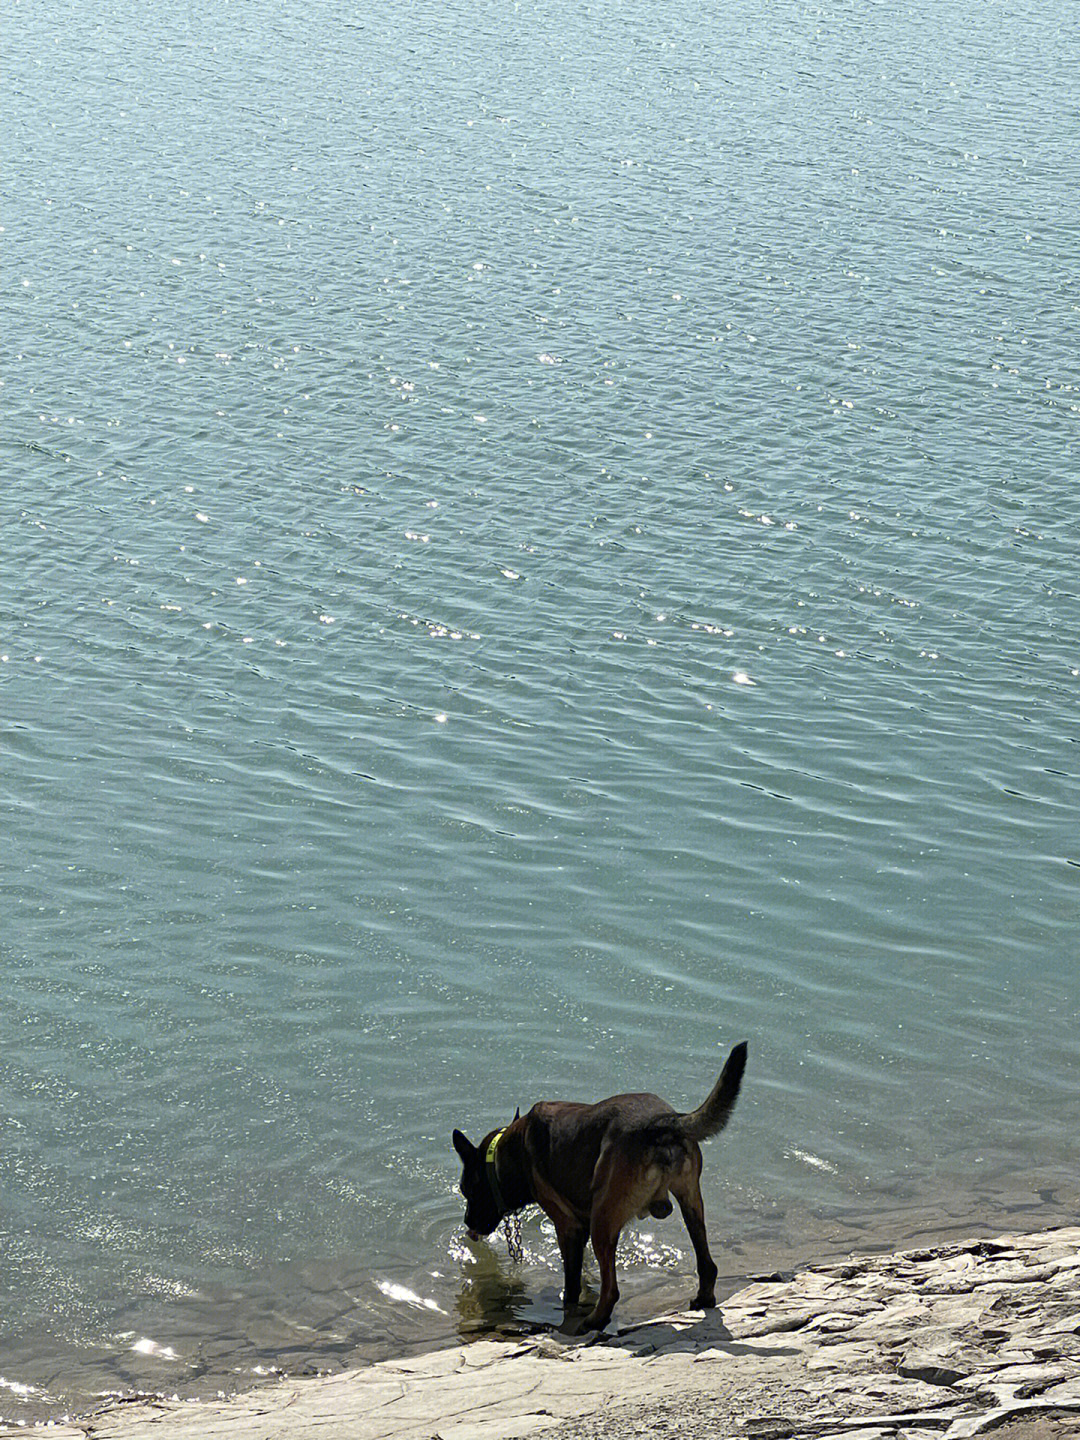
x: 507, y: 1301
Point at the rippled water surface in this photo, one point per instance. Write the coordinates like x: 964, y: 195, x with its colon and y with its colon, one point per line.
x: 538, y: 541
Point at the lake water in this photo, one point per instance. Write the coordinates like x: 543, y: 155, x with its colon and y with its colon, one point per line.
x: 538, y: 542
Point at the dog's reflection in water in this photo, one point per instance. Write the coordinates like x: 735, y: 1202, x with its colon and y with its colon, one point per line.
x: 498, y: 1297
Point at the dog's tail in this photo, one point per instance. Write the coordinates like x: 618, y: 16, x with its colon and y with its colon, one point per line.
x: 711, y: 1117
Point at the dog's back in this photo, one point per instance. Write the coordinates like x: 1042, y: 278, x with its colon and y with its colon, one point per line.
x: 638, y: 1136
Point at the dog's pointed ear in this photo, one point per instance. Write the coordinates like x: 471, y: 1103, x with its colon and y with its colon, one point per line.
x: 517, y: 1112
x: 465, y: 1148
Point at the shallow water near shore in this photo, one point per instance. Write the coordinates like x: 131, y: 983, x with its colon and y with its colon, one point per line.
x: 537, y: 544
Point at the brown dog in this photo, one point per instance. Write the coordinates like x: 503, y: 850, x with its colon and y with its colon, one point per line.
x: 594, y: 1167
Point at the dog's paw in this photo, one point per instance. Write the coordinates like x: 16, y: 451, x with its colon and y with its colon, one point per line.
x: 703, y: 1302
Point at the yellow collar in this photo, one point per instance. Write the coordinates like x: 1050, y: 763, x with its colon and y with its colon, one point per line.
x: 492, y: 1173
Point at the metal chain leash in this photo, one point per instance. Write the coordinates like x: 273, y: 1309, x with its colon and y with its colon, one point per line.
x: 512, y: 1230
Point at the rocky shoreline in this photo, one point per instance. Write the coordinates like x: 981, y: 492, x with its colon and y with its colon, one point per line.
x: 950, y: 1341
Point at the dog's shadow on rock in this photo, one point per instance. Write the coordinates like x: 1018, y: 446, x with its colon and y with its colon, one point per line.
x: 693, y: 1331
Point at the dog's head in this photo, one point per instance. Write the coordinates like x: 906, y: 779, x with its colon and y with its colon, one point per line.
x: 482, y: 1209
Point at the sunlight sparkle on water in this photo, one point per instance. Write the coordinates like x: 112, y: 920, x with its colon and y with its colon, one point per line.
x: 406, y: 1296
x: 144, y: 1346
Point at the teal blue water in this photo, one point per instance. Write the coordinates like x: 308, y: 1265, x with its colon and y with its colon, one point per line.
x: 538, y: 541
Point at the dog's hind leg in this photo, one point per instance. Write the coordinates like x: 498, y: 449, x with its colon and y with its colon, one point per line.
x: 688, y: 1195
x: 604, y: 1238
x: 611, y: 1186
x: 572, y: 1249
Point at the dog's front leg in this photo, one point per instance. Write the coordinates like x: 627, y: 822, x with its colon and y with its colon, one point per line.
x: 572, y: 1249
